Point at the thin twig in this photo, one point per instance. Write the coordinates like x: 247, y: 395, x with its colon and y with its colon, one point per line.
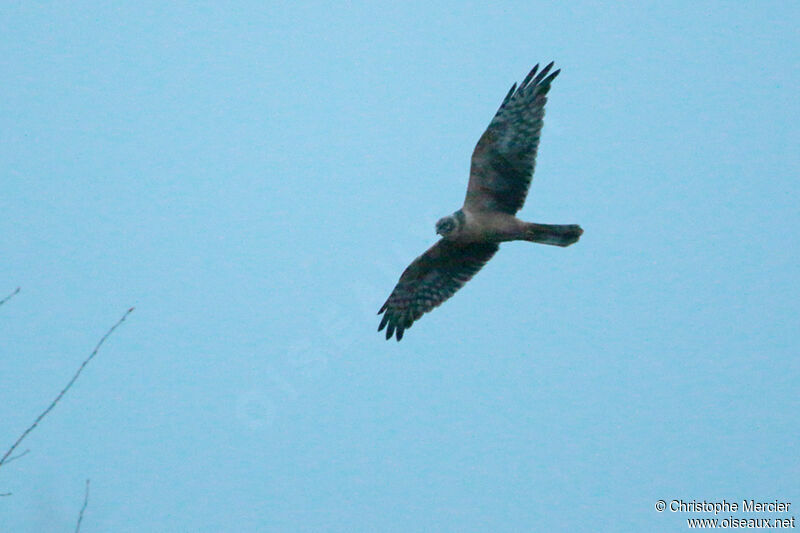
x: 7, y: 298
x: 85, y: 503
x: 26, y: 452
x: 50, y: 407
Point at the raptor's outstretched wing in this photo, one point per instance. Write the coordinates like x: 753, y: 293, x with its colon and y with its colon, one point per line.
x: 431, y: 279
x: 504, y: 158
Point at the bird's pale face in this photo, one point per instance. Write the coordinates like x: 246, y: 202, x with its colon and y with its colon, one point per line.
x: 447, y: 225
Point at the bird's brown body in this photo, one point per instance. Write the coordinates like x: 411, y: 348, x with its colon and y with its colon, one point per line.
x: 482, y: 226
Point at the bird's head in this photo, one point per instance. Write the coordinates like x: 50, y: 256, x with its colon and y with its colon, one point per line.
x: 449, y: 224
x: 445, y: 226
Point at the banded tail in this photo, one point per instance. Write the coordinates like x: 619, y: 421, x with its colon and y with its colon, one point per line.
x: 554, y: 234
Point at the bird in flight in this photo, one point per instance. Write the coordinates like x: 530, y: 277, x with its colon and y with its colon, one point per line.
x: 501, y: 172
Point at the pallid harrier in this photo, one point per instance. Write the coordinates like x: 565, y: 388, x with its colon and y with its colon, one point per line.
x: 502, y: 168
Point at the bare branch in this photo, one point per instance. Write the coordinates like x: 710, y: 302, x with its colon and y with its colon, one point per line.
x: 61, y: 394
x: 7, y: 298
x: 85, y: 503
x: 26, y: 452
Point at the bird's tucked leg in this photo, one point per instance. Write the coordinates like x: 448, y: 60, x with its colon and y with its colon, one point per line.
x: 555, y: 234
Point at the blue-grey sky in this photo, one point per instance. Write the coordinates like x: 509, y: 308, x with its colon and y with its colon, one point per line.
x: 254, y: 177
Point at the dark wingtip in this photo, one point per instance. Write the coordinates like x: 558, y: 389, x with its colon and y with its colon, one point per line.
x: 545, y: 83
x: 539, y: 77
x: 530, y: 75
x: 509, y: 95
